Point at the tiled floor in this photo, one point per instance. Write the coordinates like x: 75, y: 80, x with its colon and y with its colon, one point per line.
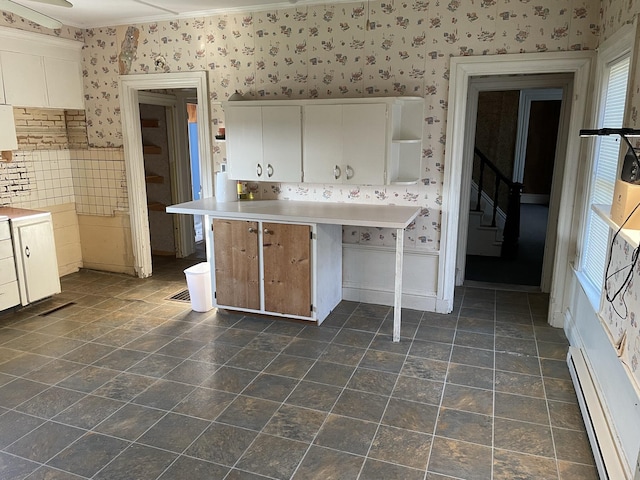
x: 127, y: 385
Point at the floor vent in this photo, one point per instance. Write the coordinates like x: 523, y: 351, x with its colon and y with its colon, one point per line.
x: 53, y: 310
x: 181, y: 296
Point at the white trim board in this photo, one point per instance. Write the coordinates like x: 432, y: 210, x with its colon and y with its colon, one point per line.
x: 463, y: 69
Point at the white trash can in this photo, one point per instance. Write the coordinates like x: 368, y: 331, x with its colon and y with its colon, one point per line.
x: 199, y: 284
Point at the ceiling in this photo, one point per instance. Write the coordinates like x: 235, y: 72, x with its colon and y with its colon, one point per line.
x: 100, y: 13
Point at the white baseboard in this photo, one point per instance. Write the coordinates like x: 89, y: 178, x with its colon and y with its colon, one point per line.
x: 379, y: 297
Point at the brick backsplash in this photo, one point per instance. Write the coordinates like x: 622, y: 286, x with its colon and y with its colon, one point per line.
x: 50, y: 129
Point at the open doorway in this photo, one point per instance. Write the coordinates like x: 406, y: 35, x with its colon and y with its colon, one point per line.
x: 515, y: 147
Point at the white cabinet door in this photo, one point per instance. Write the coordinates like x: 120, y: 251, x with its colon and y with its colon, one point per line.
x: 364, y: 130
x: 2, y: 99
x: 281, y: 144
x: 24, y: 81
x: 64, y: 83
x: 244, y: 142
x: 36, y: 253
x: 322, y: 157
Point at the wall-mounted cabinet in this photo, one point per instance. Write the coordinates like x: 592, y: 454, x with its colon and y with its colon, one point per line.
x: 361, y: 141
x: 40, y: 70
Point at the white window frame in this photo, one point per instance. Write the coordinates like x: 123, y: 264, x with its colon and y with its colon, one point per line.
x: 612, y: 51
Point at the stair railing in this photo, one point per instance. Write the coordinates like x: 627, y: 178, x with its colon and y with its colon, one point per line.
x: 511, y: 231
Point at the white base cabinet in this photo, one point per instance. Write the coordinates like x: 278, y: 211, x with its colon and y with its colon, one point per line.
x: 9, y: 293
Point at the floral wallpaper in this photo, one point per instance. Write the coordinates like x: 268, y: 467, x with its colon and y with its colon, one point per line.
x: 360, y: 49
x: 621, y: 316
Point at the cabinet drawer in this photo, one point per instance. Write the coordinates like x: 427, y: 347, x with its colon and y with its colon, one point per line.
x: 6, y: 248
x: 7, y: 270
x: 9, y: 295
x: 5, y: 233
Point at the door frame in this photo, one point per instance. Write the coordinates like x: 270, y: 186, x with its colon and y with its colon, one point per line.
x: 129, y: 88
x: 461, y: 117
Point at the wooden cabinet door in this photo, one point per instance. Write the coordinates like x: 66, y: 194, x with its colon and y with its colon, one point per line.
x: 287, y: 268
x: 322, y: 146
x: 244, y: 143
x: 236, y: 262
x: 364, y: 130
x: 281, y: 144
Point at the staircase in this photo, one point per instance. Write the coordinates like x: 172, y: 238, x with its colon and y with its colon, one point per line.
x: 483, y: 239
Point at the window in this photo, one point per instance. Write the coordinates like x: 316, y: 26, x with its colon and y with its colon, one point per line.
x: 605, y: 167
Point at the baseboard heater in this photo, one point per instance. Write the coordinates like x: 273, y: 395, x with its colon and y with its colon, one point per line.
x: 603, y: 444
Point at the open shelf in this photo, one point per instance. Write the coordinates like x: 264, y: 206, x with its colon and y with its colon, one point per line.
x: 154, y: 179
x: 152, y: 149
x: 156, y: 207
x: 149, y: 123
x: 632, y: 237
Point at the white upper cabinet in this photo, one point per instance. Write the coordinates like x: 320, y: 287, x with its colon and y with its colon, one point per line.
x: 40, y: 70
x: 264, y: 143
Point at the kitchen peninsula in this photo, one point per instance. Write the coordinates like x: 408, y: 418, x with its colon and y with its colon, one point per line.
x: 239, y: 228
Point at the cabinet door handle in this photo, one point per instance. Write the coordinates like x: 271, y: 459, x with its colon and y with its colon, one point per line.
x: 269, y: 170
x: 337, y: 172
x: 268, y: 232
x: 259, y: 170
x: 349, y: 172
x: 253, y: 230
x: 27, y: 252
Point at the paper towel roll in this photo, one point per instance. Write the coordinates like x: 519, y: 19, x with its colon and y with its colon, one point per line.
x: 225, y: 188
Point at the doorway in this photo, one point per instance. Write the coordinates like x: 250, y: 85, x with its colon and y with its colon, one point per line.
x: 515, y: 148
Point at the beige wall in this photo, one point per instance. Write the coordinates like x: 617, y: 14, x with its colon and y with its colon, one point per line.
x: 106, y: 243
x: 66, y: 233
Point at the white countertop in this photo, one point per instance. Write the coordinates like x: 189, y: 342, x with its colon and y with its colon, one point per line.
x: 388, y: 216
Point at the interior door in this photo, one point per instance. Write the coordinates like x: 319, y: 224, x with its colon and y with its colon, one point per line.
x: 38, y: 258
x: 287, y: 268
x: 236, y: 259
x: 364, y: 131
x: 322, y: 143
x: 244, y: 143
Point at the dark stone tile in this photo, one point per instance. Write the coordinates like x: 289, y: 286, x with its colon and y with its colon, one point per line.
x: 475, y: 325
x: 353, y: 338
x: 324, y: 464
x: 174, y: 432
x: 550, y: 334
x: 163, y: 394
x: 460, y: 459
x: 205, y: 403
x: 523, y: 318
x: 29, y: 342
x: 472, y: 356
x: 523, y: 437
x: 191, y: 372
x: 148, y: 342
x: 401, y: 447
x: 89, y: 332
x: 120, y: 359
x: 14, y: 393
x: 251, y: 359
x: 325, y: 333
x: 59, y: 347
x: 514, y: 330
x: 475, y: 340
x: 314, y: 395
x: 571, y: 471
x: 223, y: 444
x: 440, y: 320
x: 477, y: 313
x: 555, y: 351
x: 54, y: 371
x: 517, y: 383
x: 203, y: 333
x: 425, y: 368
x: 364, y: 323
x: 329, y: 373
x: 469, y: 399
x: 384, y: 342
x: 509, y: 465
x: 407, y: 329
x: 516, y: 345
x: 50, y: 402
x: 384, y: 361
x: 88, y: 454
x: 23, y: 364
x: 88, y: 353
x: 435, y: 334
x: 477, y: 292
x: 480, y: 302
x: 286, y: 328
x: 254, y: 324
x: 377, y: 469
x: 118, y: 337
x: 346, y: 434
x: 268, y: 342
x: 513, y: 362
x: 301, y: 347
x: 45, y: 441
x: 129, y: 422
x: 273, y: 456
x: 555, y: 369
x: 15, y: 468
x: 182, y: 347
x: 295, y: 423
x: 373, y: 381
x: 572, y: 446
x: 155, y: 365
x: 432, y: 350
x: 343, y: 354
x: 48, y: 473
x: 561, y: 390
x: 512, y: 305
x: 362, y: 405
x: 215, y: 352
x: 230, y: 379
x: 288, y: 366
x: 186, y: 468
x: 418, y: 417
x: 88, y: 379
x: 465, y: 426
x: 88, y: 412
x: 271, y: 387
x: 372, y: 310
x: 248, y: 412
x: 470, y: 376
x: 237, y: 337
x: 139, y: 462
x: 418, y: 390
x: 14, y: 425
x: 335, y: 320
x: 518, y: 407
x: 124, y: 387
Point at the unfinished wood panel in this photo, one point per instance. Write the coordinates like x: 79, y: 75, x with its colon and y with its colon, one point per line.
x: 287, y: 268
x: 236, y: 260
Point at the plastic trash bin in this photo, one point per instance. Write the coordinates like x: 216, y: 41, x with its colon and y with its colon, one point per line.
x: 199, y: 284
